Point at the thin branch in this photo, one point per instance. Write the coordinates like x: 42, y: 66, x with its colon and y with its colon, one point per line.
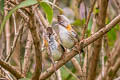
x: 88, y: 18
x: 7, y: 73
x: 3, y: 76
x: 14, y: 21
x: 15, y: 41
x: 102, y: 31
x: 83, y: 43
x: 75, y: 8
x: 59, y: 77
x: 9, y: 68
x: 84, y: 31
x: 103, y: 55
x: 113, y: 69
x: 77, y: 66
x: 111, y: 60
x: 54, y: 1
x: 22, y: 13
x: 85, y: 65
x: 71, y: 73
x: 7, y: 31
x: 27, y: 54
x: 44, y: 22
x: 2, y: 52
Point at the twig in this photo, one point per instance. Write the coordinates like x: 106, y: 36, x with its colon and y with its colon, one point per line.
x: 75, y: 4
x: 113, y: 69
x: 7, y: 73
x: 111, y: 60
x: 14, y: 41
x: 9, y: 68
x: 59, y: 77
x: 7, y: 31
x: 103, y: 55
x: 77, y: 66
x: 2, y: 52
x: 27, y: 55
x: 45, y: 23
x: 85, y: 65
x: 20, y: 37
x: 54, y: 1
x: 23, y: 14
x: 71, y: 73
x: 85, y: 29
x: 85, y: 6
x: 84, y: 43
x: 13, y: 3
x: 87, y: 21
x: 100, y: 21
x: 14, y: 21
x: 3, y: 76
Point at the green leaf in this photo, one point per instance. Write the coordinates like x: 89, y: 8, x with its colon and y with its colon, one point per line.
x: 24, y: 79
x: 79, y: 22
x: 48, y: 11
x: 110, y: 73
x: 112, y: 35
x: 22, y: 4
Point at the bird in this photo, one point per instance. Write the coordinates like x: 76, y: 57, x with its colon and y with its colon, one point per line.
x: 67, y: 34
x: 66, y: 40
x: 56, y: 49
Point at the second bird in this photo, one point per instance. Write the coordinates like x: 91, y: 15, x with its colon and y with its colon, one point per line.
x: 56, y: 49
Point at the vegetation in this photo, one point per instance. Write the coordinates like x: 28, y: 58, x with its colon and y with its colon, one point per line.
x: 59, y: 39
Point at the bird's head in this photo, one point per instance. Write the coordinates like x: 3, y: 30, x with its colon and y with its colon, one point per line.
x: 64, y: 21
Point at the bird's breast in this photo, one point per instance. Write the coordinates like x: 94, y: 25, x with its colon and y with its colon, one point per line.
x: 66, y: 40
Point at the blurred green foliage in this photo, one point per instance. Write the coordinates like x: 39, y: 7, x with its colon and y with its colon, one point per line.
x: 29, y: 75
x: 65, y: 74
x: 2, y: 6
x: 79, y: 22
x: 112, y: 35
x: 89, y: 27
